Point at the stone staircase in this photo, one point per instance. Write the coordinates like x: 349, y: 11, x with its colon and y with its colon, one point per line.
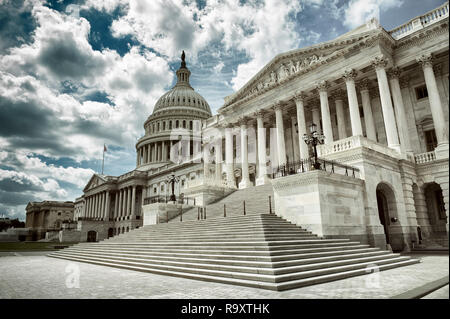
x: 257, y: 250
x: 256, y: 202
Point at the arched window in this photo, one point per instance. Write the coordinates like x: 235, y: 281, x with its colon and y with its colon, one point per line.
x: 170, y: 125
x: 164, y: 126
x: 158, y: 127
x: 184, y: 123
x: 190, y: 125
x: 177, y: 124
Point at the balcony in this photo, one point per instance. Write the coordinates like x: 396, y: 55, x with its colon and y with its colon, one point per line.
x: 355, y: 142
x: 423, y: 158
x: 420, y: 22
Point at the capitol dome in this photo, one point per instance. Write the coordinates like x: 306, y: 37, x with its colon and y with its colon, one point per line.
x: 177, y: 115
x: 182, y: 95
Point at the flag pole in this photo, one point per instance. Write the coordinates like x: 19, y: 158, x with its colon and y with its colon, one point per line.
x: 103, y: 160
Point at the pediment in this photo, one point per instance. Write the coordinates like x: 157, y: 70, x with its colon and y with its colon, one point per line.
x: 95, y: 181
x: 288, y: 65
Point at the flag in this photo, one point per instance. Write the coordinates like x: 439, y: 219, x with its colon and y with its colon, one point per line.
x: 104, y: 148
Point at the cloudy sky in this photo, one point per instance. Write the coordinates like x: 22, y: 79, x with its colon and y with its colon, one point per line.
x: 77, y: 74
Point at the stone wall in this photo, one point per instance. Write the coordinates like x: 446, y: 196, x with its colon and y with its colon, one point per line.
x: 329, y: 205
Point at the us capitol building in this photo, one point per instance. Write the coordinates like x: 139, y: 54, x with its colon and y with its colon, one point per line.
x: 379, y: 100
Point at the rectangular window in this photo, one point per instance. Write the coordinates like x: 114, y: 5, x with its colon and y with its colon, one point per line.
x: 421, y: 92
x: 430, y: 140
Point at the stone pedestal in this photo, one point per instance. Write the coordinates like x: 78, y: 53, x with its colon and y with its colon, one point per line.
x: 329, y: 205
x: 158, y: 213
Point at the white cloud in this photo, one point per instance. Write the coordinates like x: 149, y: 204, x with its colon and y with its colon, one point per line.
x: 359, y: 12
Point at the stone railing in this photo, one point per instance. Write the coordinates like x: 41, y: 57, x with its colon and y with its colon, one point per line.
x: 425, y: 157
x: 420, y: 22
x: 205, y: 181
x: 132, y: 174
x: 354, y: 142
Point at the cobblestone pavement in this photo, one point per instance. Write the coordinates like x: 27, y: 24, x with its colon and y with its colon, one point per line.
x: 45, y: 277
x: 441, y: 293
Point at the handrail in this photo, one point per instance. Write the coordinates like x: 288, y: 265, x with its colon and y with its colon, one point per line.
x: 166, y: 199
x: 420, y: 22
x: 307, y: 165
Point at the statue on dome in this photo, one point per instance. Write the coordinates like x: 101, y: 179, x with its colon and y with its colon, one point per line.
x: 183, y: 62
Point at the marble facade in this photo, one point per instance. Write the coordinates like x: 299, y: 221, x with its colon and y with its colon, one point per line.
x: 380, y: 98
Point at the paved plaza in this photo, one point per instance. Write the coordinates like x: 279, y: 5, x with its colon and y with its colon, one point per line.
x: 43, y: 277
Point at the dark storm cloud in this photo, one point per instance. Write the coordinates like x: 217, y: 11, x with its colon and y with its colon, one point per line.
x: 14, y: 199
x: 19, y: 185
x: 29, y: 126
x: 16, y: 24
x: 23, y: 119
x: 63, y: 58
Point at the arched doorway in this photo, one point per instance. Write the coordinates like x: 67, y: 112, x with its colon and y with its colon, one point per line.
x: 387, y: 211
x: 436, y: 209
x: 110, y: 232
x: 383, y: 213
x: 91, y: 236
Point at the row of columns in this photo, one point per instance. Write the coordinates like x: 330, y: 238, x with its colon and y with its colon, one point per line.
x: 97, y: 206
x: 395, y: 123
x: 125, y: 203
x: 153, y: 152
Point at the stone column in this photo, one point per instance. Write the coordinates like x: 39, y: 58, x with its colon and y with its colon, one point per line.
x: 340, y: 115
x: 218, y: 157
x: 138, y: 157
x: 102, y: 205
x: 402, y: 125
x: 294, y: 137
x: 281, y: 146
x: 437, y: 111
x: 262, y: 178
x: 128, y: 211
x: 380, y: 63
x: 299, y: 99
x: 325, y: 110
x: 133, y: 203
x: 315, y: 110
x: 153, y: 147
x: 164, y: 151
x: 116, y: 205
x: 107, y: 206
x: 124, y: 202
x: 149, y: 154
x: 119, y: 208
x: 245, y: 181
x: 86, y: 207
x: 367, y: 108
x: 355, y: 118
x: 229, y: 158
x: 91, y: 206
x: 94, y: 210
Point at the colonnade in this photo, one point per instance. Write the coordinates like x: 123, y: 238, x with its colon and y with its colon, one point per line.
x: 98, y: 206
x: 393, y: 111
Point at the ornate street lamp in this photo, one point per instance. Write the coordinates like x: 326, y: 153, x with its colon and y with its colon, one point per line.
x: 172, y: 179
x: 314, y: 138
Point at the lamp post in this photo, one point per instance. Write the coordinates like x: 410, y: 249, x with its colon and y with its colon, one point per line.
x: 314, y: 138
x: 172, y: 179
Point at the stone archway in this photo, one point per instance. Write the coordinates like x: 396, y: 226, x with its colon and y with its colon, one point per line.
x: 435, y: 209
x: 387, y: 212
x: 91, y: 236
x: 110, y: 232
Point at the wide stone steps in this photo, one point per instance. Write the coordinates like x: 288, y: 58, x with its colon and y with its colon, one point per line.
x: 235, y: 260
x: 256, y: 202
x: 250, y: 268
x: 262, y: 251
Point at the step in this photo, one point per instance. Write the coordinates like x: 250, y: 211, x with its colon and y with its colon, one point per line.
x: 236, y: 261
x: 255, y: 284
x: 245, y: 273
